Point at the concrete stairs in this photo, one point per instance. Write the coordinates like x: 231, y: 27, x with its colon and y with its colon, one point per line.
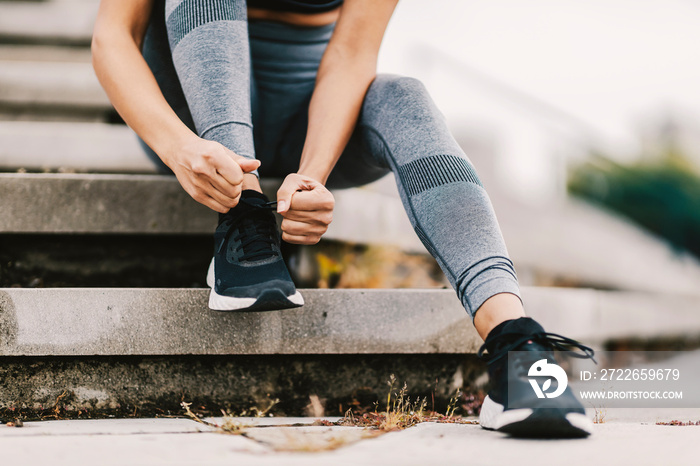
x: 114, y: 351
x: 121, y: 350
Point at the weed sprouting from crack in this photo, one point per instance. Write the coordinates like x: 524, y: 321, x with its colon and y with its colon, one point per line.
x: 401, y: 413
x: 194, y: 417
x: 229, y: 424
x: 599, y: 415
x: 452, y: 405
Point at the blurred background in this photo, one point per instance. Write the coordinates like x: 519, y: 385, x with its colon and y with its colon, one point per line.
x: 582, y: 118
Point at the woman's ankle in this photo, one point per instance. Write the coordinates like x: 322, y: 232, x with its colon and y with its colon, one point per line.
x: 495, y: 310
x: 251, y: 181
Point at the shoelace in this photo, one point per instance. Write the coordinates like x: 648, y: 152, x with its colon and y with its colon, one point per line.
x: 259, y: 244
x: 552, y: 341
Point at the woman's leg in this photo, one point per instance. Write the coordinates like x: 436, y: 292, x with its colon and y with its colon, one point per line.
x: 400, y: 129
x: 211, y: 55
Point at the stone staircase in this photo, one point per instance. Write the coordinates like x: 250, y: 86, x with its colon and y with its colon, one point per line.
x: 75, y: 178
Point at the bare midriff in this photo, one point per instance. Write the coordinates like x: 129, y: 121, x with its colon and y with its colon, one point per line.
x: 296, y: 19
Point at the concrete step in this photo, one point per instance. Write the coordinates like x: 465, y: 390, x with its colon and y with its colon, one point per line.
x: 96, y: 352
x: 48, y: 203
x: 128, y: 322
x: 66, y: 87
x: 113, y: 321
x: 156, y: 204
x: 86, y: 147
x: 44, y: 53
x: 52, y: 22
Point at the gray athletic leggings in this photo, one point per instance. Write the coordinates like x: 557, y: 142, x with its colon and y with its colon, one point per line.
x: 248, y: 86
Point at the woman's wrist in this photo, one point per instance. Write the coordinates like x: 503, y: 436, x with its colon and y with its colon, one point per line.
x: 317, y: 160
x: 317, y: 173
x: 170, y: 143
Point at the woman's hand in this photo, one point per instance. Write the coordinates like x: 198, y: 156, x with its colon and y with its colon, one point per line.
x: 210, y: 173
x: 307, y: 208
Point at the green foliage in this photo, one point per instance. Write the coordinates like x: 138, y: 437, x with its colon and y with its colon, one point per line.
x: 662, y: 195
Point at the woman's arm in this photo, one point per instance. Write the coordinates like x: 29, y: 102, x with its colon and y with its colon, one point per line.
x: 347, y: 69
x: 208, y: 171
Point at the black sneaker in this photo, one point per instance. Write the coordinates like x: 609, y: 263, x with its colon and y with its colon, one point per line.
x: 247, y: 272
x: 513, y: 405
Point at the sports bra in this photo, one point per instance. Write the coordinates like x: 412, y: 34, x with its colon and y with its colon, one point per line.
x: 297, y: 6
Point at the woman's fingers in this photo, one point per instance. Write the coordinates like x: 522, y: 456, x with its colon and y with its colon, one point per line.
x: 316, y: 199
x: 324, y: 217
x: 246, y: 164
x: 303, y: 229
x: 225, y: 166
x: 298, y: 239
x: 223, y: 187
x: 210, y: 202
x: 205, y: 193
x: 227, y: 200
x: 231, y: 166
x: 300, y: 192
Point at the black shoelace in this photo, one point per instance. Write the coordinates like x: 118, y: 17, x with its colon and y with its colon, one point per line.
x: 551, y: 341
x: 255, y: 231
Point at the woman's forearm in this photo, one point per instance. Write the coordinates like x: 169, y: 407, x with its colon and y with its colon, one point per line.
x: 134, y: 92
x: 347, y: 69
x: 335, y: 105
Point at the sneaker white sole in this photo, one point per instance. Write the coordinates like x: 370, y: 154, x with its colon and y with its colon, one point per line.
x: 581, y: 422
x: 518, y: 422
x: 277, y: 300
x: 490, y: 414
x: 218, y: 302
x: 210, y: 274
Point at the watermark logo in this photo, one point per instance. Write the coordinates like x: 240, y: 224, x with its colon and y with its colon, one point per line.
x: 616, y: 379
x: 542, y: 368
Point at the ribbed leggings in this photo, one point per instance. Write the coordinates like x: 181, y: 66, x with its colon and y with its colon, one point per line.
x: 248, y: 86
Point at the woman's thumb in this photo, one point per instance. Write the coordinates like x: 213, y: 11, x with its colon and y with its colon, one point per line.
x: 284, y: 196
x: 248, y: 165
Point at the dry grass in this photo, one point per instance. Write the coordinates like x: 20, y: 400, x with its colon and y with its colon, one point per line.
x: 678, y: 423
x: 230, y: 425
x: 401, y: 412
x: 599, y: 415
x: 284, y: 437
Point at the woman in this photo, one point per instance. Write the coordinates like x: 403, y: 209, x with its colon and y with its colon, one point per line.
x: 224, y: 92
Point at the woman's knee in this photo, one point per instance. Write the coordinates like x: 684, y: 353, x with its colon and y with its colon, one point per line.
x: 395, y: 89
x: 401, y: 96
x: 394, y: 85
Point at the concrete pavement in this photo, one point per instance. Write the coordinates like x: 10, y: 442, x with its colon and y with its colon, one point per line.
x: 181, y: 441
